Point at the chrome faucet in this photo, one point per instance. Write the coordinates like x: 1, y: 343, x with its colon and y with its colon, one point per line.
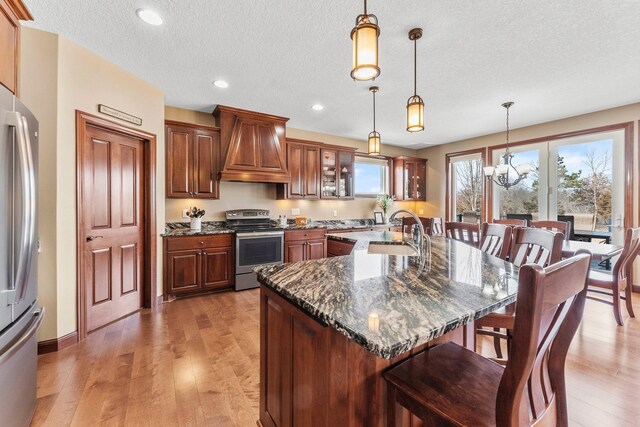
x: 422, y: 238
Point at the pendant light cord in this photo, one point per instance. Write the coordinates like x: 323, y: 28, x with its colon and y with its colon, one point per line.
x: 374, y: 111
x: 507, y: 150
x: 365, y: 7
x: 415, y: 66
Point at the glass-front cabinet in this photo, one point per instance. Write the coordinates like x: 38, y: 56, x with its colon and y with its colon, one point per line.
x: 410, y: 178
x: 337, y: 174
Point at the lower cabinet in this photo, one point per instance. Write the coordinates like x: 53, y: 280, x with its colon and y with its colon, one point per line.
x: 195, y: 264
x: 338, y: 248
x: 303, y: 245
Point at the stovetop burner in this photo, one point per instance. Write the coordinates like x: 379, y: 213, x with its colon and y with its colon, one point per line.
x: 250, y: 220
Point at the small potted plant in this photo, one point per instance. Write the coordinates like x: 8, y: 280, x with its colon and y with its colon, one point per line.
x: 196, y: 218
x: 385, y: 202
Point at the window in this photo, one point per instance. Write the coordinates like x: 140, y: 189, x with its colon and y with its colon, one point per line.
x: 372, y: 176
x: 464, y: 195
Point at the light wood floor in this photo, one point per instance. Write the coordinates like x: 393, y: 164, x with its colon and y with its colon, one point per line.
x: 195, y: 362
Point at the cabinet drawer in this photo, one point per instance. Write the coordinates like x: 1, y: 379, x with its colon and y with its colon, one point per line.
x: 335, y: 248
x: 196, y: 242
x: 316, y: 233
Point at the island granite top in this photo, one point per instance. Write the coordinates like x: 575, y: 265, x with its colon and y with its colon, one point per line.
x: 390, y: 304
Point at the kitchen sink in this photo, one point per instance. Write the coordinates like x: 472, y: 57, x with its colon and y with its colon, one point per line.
x: 393, y: 249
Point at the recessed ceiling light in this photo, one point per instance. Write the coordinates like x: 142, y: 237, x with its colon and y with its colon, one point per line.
x: 317, y: 107
x: 149, y: 16
x: 221, y: 84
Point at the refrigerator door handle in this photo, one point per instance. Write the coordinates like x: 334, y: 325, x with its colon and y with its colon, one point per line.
x: 28, y: 204
x: 38, y: 315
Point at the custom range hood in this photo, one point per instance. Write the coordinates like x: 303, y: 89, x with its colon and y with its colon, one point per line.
x: 252, y: 146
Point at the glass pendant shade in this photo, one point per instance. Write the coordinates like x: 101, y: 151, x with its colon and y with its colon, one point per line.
x: 374, y: 143
x: 415, y: 114
x: 364, y: 38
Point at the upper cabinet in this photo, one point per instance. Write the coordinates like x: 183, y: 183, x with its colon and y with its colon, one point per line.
x: 193, y: 161
x: 252, y: 146
x: 337, y: 173
x: 410, y: 178
x: 11, y: 12
x: 303, y: 164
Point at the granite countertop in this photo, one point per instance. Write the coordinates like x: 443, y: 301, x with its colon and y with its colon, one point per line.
x: 391, y: 304
x: 174, y: 229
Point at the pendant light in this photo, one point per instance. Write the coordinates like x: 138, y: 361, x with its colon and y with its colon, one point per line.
x: 415, y: 104
x: 499, y: 174
x: 364, y: 38
x: 374, y: 137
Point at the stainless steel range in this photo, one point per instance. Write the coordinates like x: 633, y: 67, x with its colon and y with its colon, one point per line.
x: 258, y: 242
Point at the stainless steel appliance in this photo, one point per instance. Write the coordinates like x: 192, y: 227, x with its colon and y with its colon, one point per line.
x: 19, y: 315
x: 258, y: 242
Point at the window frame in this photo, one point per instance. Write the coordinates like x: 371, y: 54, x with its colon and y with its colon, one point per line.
x: 388, y: 182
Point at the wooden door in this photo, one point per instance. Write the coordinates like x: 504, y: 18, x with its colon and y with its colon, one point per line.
x: 206, y: 164
x: 316, y: 249
x: 294, y: 251
x: 216, y: 267
x: 179, y: 148
x: 183, y: 270
x: 311, y: 177
x: 113, y: 190
x: 295, y: 164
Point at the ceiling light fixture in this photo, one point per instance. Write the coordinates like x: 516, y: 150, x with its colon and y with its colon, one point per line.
x: 364, y: 38
x: 221, y: 84
x: 500, y: 173
x: 374, y: 137
x: 317, y: 107
x: 415, y: 104
x: 149, y: 16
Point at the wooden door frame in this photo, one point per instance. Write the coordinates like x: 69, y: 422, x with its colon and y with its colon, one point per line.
x: 447, y: 170
x: 149, y: 290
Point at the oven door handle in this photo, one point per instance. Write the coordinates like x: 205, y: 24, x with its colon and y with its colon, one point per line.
x: 260, y: 234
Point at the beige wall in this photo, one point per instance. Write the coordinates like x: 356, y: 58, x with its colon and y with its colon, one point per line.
x: 436, y: 190
x: 238, y: 195
x: 84, y: 80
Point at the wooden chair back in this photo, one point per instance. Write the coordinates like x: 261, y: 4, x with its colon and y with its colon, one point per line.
x: 511, y: 222
x: 549, y: 309
x: 557, y: 226
x: 630, y: 251
x: 464, y: 232
x: 496, y: 240
x: 436, y: 226
x: 571, y: 219
x: 408, y: 221
x: 526, y: 217
x: 536, y: 246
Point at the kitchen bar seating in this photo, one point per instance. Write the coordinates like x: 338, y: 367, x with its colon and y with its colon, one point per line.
x: 557, y: 226
x: 529, y: 246
x: 512, y: 222
x: 450, y: 385
x: 617, y: 281
x: 496, y: 240
x: 464, y: 232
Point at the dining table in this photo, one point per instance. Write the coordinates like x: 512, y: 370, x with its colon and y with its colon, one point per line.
x: 599, y: 251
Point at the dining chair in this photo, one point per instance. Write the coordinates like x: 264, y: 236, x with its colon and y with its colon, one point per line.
x: 450, y: 385
x: 409, y: 221
x: 512, y: 222
x: 526, y: 217
x: 617, y: 281
x: 436, y: 226
x: 463, y: 232
x: 571, y: 219
x: 529, y: 246
x: 563, y: 227
x: 496, y: 240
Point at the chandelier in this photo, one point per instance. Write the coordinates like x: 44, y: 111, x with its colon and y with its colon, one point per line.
x: 364, y: 38
x: 503, y: 173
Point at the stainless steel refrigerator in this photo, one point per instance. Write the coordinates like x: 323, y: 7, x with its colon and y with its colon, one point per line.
x: 20, y: 316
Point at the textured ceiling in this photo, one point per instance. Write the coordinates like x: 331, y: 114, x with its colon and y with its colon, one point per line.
x: 553, y: 58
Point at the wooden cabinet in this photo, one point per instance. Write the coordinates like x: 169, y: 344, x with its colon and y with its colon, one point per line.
x: 11, y: 13
x: 193, y: 161
x: 338, y: 166
x: 410, y: 178
x: 303, y: 163
x: 303, y: 245
x: 253, y: 146
x: 194, y: 264
x: 338, y: 248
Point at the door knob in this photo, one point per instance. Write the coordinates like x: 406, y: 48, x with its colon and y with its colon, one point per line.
x: 92, y: 238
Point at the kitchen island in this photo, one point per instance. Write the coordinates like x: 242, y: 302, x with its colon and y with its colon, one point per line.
x: 330, y: 327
